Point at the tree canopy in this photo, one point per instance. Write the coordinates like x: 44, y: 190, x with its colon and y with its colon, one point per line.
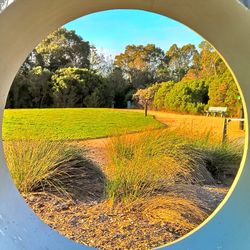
x: 66, y: 71
x: 140, y: 63
x: 61, y: 49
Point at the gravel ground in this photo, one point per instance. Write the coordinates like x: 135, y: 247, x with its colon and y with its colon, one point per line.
x: 146, y: 224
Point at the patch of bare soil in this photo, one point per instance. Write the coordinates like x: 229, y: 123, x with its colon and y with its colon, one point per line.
x: 96, y: 149
x: 145, y: 224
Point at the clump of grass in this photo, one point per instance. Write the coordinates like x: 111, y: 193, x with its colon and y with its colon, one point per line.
x: 31, y: 163
x: 141, y: 164
x: 53, y: 166
x: 221, y: 159
x: 182, y: 215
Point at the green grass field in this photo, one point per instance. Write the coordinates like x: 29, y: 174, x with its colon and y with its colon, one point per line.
x: 69, y: 124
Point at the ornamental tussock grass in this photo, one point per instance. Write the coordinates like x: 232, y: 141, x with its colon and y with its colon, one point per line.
x: 221, y: 159
x: 142, y: 164
x: 31, y: 163
x: 182, y: 215
x: 52, y: 166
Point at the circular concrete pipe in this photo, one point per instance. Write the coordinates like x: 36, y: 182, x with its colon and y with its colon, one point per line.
x: 224, y: 23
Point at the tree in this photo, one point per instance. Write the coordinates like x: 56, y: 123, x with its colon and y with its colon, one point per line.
x: 224, y: 92
x: 190, y: 97
x: 39, y: 87
x: 19, y: 96
x: 100, y: 62
x: 159, y: 97
x: 145, y: 97
x: 62, y: 49
x: 140, y: 63
x: 75, y: 87
x: 180, y: 60
x: 30, y: 89
x: 209, y: 60
x: 118, y: 87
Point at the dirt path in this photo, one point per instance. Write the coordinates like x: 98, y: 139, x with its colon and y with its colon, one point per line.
x: 196, y: 124
x: 191, y: 125
x: 96, y: 149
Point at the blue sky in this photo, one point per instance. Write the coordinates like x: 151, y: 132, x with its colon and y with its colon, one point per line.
x: 110, y: 31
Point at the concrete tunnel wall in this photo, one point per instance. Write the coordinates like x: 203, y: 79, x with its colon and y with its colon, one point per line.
x: 224, y: 23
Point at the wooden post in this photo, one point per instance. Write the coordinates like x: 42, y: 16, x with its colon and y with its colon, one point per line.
x: 225, y: 130
x: 242, y: 117
x: 146, y: 108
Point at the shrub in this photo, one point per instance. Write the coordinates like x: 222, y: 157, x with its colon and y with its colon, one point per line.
x: 159, y: 96
x: 188, y: 96
x: 222, y: 160
x: 142, y: 164
x: 184, y: 96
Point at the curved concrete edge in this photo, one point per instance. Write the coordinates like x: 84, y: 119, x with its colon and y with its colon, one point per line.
x: 4, y: 4
x: 224, y: 23
x: 246, y: 3
x: 20, y: 228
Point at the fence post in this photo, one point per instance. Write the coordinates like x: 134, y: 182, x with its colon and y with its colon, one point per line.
x: 242, y: 117
x: 225, y: 128
x: 146, y: 108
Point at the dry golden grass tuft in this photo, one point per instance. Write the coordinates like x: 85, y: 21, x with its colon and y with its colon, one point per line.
x: 140, y: 165
x: 180, y: 213
x: 31, y: 162
x: 55, y: 167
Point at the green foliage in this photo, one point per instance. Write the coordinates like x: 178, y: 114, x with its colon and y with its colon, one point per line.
x: 140, y: 63
x: 143, y: 164
x: 184, y: 96
x: 222, y: 160
x: 39, y: 86
x: 208, y: 82
x: 56, y: 167
x: 190, y: 97
x: 63, y: 48
x: 223, y: 92
x: 65, y: 71
x: 159, y: 97
x: 75, y: 87
x: 116, y: 89
x: 180, y: 60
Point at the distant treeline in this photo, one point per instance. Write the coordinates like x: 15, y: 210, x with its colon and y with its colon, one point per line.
x: 66, y: 71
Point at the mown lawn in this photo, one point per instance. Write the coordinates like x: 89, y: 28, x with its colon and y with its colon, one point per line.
x: 75, y: 123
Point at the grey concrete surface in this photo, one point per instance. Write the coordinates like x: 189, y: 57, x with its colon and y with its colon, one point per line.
x: 224, y: 23
x: 246, y: 3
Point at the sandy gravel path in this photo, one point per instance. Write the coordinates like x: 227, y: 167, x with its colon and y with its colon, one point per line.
x: 188, y: 124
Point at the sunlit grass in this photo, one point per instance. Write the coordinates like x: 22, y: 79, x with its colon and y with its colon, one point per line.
x: 32, y: 163
x: 74, y: 123
x: 148, y: 162
x: 49, y: 166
